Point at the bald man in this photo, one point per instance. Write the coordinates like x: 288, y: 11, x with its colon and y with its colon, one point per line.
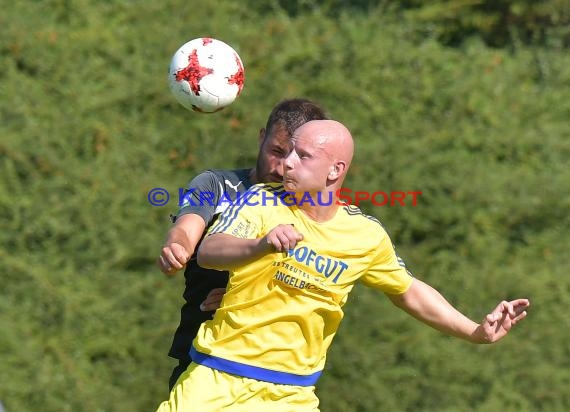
x: 293, y: 257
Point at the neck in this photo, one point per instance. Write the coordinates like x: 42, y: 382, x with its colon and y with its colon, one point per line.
x: 320, y: 206
x: 253, y: 176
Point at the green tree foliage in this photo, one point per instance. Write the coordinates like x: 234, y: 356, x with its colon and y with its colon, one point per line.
x: 88, y: 127
x: 498, y: 22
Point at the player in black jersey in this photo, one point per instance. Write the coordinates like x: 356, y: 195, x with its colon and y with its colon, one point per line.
x: 207, y: 195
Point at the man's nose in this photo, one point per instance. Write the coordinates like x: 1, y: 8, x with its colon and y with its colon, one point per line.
x: 288, y: 161
x: 279, y: 167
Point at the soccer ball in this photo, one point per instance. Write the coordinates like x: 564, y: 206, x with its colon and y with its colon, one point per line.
x: 206, y: 75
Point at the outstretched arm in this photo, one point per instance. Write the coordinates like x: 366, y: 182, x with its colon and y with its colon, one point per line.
x: 222, y: 251
x: 427, y: 305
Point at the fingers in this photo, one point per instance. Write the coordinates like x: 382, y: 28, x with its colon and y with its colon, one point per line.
x: 492, y: 318
x: 213, y: 300
x: 287, y: 239
x: 508, y: 308
x: 172, y: 258
x: 519, y: 317
x: 520, y: 305
x: 505, y: 315
x: 515, y: 308
x: 497, y: 313
x: 283, y: 237
x: 164, y: 265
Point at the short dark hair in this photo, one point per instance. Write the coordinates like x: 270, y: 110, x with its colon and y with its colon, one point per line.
x: 292, y: 113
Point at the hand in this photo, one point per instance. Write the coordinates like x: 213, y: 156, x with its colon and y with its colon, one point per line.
x: 213, y: 300
x: 282, y: 238
x: 499, y: 322
x: 173, y: 257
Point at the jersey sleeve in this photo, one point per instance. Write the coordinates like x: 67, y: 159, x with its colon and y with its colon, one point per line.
x: 201, y: 197
x: 244, y: 219
x: 387, y: 271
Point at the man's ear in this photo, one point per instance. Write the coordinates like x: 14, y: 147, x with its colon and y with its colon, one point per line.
x: 261, y: 137
x: 336, y: 170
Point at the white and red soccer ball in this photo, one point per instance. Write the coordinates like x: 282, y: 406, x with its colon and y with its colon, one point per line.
x: 206, y: 75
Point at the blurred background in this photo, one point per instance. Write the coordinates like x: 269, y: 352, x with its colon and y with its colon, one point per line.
x: 467, y: 101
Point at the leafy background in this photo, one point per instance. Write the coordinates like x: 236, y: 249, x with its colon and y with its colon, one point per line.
x: 465, y: 100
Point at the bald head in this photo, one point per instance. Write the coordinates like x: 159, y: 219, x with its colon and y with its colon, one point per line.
x: 319, y: 158
x: 331, y: 136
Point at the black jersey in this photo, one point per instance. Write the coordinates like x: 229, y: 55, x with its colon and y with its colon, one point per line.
x: 207, y: 195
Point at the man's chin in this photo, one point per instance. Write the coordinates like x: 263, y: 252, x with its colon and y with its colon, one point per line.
x: 289, y: 186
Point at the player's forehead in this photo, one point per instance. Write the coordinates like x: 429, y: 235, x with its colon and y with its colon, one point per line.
x: 308, y: 138
x: 278, y: 135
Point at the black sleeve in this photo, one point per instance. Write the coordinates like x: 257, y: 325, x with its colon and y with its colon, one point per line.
x: 201, y: 196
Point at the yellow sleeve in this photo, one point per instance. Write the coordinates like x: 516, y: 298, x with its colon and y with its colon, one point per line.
x: 387, y: 272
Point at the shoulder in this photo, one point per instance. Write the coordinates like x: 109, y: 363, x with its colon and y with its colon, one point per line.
x: 370, y: 229
x: 363, y: 224
x: 216, y: 182
x: 354, y: 213
x: 236, y: 178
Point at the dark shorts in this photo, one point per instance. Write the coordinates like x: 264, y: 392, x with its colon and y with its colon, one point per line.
x: 176, y: 372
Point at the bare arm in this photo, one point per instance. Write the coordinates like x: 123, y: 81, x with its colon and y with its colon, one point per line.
x: 222, y: 251
x: 181, y: 241
x: 427, y: 305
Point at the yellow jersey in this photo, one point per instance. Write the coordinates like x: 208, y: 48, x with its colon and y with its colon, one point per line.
x: 280, y: 312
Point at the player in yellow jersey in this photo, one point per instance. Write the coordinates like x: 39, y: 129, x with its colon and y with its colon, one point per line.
x: 294, y: 253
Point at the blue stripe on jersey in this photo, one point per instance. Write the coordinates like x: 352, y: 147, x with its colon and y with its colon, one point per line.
x: 352, y: 210
x: 253, y: 372
x: 227, y: 218
x: 230, y: 214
